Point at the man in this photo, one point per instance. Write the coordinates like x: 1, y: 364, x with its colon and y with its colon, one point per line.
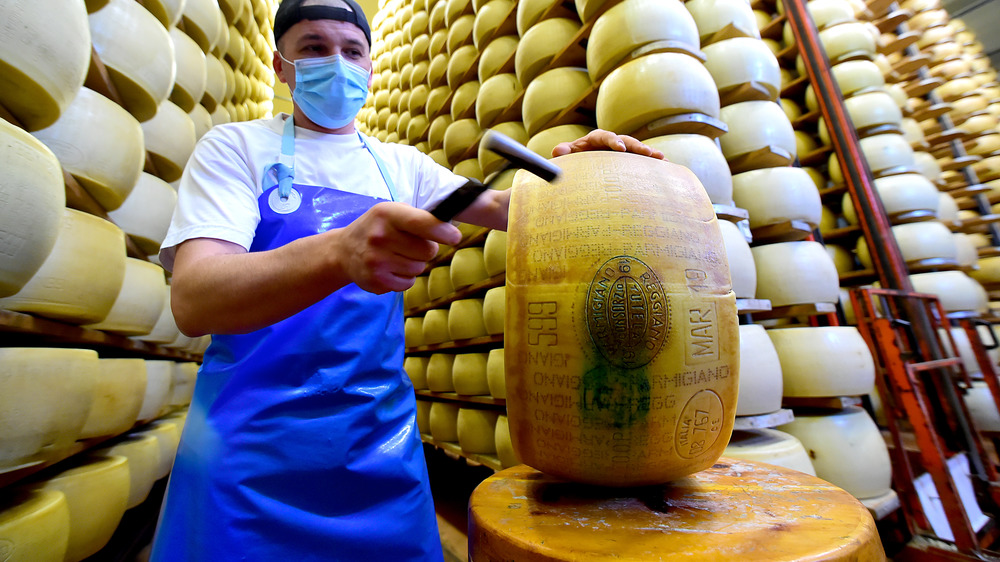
x: 291, y: 244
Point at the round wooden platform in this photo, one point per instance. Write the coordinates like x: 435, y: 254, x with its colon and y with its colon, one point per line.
x: 736, y: 510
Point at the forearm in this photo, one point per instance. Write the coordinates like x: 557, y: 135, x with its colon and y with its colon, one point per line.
x: 231, y: 293
x: 489, y: 210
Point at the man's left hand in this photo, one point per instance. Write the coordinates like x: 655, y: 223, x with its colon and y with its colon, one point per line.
x: 600, y: 139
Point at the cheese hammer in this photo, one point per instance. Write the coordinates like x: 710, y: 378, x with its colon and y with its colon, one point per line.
x: 516, y: 156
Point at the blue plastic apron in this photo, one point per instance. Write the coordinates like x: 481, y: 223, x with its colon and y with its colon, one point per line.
x: 301, y: 441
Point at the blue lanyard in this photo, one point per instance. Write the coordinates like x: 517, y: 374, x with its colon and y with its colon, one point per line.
x: 285, y: 168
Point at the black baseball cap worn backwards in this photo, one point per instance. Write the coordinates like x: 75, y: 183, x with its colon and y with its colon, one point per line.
x: 291, y: 12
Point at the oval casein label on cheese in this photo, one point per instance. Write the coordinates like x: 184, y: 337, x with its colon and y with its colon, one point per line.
x: 627, y: 312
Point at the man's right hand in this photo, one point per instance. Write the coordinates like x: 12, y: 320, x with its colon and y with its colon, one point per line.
x: 390, y: 245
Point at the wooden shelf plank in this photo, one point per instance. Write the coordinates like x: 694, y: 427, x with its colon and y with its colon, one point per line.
x: 465, y: 346
x: 805, y: 309
x: 764, y: 421
x: 455, y: 450
x: 44, y: 330
x: 481, y: 402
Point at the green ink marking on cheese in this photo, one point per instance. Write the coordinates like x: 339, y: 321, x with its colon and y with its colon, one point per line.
x: 614, y: 397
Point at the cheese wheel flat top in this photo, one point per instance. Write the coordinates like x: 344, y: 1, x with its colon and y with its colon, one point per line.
x: 735, y: 510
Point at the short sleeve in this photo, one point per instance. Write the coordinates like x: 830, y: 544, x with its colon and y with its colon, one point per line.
x: 217, y: 196
x: 434, y: 182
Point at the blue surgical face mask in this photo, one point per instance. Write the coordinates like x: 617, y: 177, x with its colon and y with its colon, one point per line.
x: 330, y: 91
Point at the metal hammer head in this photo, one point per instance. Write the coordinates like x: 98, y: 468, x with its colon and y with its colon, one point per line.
x: 519, y: 156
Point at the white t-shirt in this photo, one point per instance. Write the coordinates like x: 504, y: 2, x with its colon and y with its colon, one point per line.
x: 217, y: 196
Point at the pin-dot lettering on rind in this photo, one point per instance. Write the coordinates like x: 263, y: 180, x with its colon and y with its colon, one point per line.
x: 627, y: 312
x: 699, y: 425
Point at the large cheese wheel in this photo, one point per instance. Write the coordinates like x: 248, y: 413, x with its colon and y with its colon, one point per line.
x: 927, y: 166
x: 139, y: 302
x: 141, y: 63
x: 34, y: 197
x: 917, y: 241
x: 493, y: 310
x: 495, y: 95
x: 444, y: 421
x: 165, y: 330
x: 495, y: 375
x: 643, y: 90
x: 439, y: 283
x: 702, y: 156
x: 44, y: 57
x: 118, y: 396
x: 847, y: 40
x: 159, y: 388
x: 436, y: 327
x: 544, y: 141
x: 956, y: 291
x: 424, y: 416
x: 490, y: 161
x: 459, y: 64
x: 34, y: 526
x: 495, y: 252
x: 436, y: 99
x: 494, y: 56
x: 97, y: 491
x: 460, y: 33
x: 777, y: 195
x: 830, y: 12
x: 847, y: 450
x: 416, y: 295
x: 587, y: 9
x: 100, y: 144
x: 413, y: 331
x: 47, y: 395
x: 965, y: 250
x: 723, y: 19
x: 438, y: 43
x: 505, y: 449
x: 746, y: 65
x: 529, y: 12
x: 420, y: 48
x: 633, y: 24
x: 143, y: 454
x: 190, y: 81
x: 145, y: 213
x: 477, y: 430
x: 202, y: 120
x: 416, y: 369
x: 884, y: 153
x: 220, y: 115
x: 741, y: 265
x: 465, y: 319
x: 760, y: 373
x: 170, y: 140
x: 988, y: 270
x: 185, y: 373
x: 755, y: 125
x: 902, y: 193
x: 770, y: 446
x: 81, y: 277
x: 439, y: 369
x: 550, y: 93
x: 492, y: 20
x: 468, y: 374
x: 168, y: 435
x: 824, y: 361
x: 542, y: 42
x: 459, y: 136
x: 467, y: 267
x: 842, y: 258
x: 464, y: 98
x: 202, y: 22
x: 583, y: 250
x: 867, y: 110
x: 795, y: 273
x: 469, y: 168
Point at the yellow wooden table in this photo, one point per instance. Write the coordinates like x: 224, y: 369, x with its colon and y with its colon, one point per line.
x: 737, y: 510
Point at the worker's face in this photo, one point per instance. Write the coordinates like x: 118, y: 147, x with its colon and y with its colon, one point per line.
x: 321, y: 38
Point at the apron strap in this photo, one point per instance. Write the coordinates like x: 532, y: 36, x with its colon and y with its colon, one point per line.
x: 285, y: 167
